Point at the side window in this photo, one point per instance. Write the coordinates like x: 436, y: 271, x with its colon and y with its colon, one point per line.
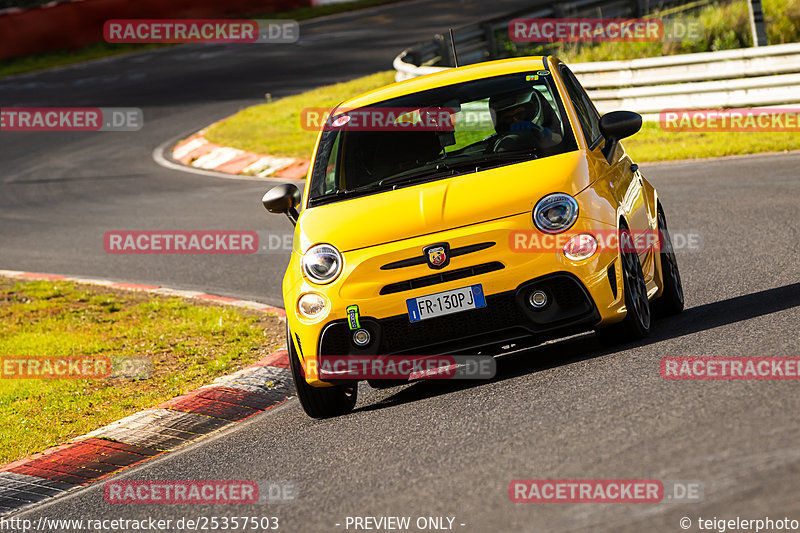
x: 472, y: 124
x: 587, y: 114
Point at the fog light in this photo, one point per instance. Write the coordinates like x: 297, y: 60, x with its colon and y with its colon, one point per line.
x: 361, y: 337
x: 312, y: 305
x: 580, y: 247
x: 537, y: 299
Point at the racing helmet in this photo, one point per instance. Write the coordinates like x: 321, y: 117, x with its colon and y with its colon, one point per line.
x: 500, y: 104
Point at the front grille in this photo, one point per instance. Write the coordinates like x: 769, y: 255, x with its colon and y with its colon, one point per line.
x: 565, y: 292
x: 506, y: 317
x: 399, y: 334
x: 335, y: 339
x: 442, y: 277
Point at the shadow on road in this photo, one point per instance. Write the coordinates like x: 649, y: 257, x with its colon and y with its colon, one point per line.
x: 579, y: 348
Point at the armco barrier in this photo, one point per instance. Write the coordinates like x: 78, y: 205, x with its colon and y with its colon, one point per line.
x: 749, y: 77
x: 78, y: 23
x: 489, y: 39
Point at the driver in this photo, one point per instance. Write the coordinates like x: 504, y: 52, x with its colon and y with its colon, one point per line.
x: 515, y: 112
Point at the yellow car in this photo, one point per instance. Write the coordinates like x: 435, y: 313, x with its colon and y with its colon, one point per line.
x: 469, y: 212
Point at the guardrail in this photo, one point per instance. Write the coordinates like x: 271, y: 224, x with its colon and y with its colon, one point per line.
x: 767, y: 76
x: 750, y: 77
x: 487, y: 40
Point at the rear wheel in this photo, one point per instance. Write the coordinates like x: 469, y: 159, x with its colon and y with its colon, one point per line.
x: 636, y: 324
x: 322, y: 402
x: 671, y: 300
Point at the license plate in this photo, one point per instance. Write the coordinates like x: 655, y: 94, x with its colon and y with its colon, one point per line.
x: 445, y: 303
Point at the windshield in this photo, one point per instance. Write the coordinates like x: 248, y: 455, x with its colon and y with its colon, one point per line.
x: 439, y: 133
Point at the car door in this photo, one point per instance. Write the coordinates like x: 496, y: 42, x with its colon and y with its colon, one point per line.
x: 617, y: 168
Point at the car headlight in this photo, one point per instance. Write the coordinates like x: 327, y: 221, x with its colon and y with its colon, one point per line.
x: 322, y: 263
x: 312, y: 305
x: 555, y: 213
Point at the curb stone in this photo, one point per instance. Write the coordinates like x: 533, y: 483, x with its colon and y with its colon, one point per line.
x: 152, y: 432
x: 198, y: 152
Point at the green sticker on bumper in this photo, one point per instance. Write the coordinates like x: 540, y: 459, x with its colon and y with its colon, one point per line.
x: 352, y: 317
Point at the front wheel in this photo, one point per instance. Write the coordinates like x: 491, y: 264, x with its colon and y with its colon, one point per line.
x: 671, y: 300
x: 636, y: 324
x: 322, y: 402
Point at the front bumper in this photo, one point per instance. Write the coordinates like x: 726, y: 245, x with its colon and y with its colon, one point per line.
x: 582, y: 295
x: 506, y: 318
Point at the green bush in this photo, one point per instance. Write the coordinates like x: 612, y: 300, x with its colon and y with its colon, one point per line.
x: 726, y: 25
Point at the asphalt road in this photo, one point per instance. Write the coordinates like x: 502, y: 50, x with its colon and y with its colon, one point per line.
x: 60, y: 192
x: 569, y: 409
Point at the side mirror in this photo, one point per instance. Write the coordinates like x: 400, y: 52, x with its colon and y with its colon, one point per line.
x: 283, y: 198
x: 617, y: 125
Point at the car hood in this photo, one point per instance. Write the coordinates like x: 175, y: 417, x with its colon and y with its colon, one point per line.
x: 440, y: 205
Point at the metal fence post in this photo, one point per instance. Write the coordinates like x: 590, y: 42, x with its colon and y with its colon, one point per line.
x: 757, y: 24
x: 491, y: 42
x: 443, y: 50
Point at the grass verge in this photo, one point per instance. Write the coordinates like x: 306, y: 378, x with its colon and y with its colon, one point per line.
x: 653, y: 144
x: 274, y: 128
x: 189, y: 344
x: 21, y: 65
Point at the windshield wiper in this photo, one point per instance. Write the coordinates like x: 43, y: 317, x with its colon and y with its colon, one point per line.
x: 454, y: 167
x: 340, y: 194
x: 490, y: 160
x: 506, y: 156
x: 431, y: 173
x: 441, y: 169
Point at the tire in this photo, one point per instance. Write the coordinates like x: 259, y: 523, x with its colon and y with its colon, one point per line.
x: 322, y: 402
x: 636, y: 324
x: 671, y: 300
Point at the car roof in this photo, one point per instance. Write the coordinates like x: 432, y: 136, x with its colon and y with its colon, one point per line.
x: 448, y: 77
